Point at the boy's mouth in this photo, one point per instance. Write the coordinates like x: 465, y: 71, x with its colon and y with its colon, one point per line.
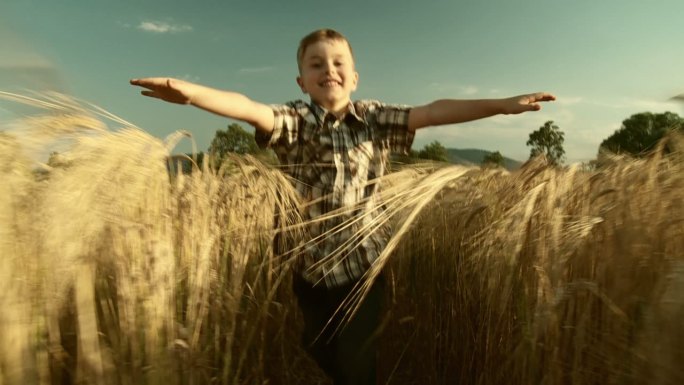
x: 329, y: 83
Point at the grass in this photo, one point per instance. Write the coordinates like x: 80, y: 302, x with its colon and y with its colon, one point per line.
x: 115, y: 272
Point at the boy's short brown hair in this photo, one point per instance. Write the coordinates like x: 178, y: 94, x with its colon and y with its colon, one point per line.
x: 315, y: 37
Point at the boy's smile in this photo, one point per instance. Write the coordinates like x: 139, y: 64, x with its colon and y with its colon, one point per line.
x: 327, y: 74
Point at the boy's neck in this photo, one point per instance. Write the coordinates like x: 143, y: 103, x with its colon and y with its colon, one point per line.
x: 339, y: 109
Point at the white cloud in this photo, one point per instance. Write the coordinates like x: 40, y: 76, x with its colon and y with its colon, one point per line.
x: 469, y: 90
x: 254, y: 70
x: 569, y: 100
x: 640, y: 105
x: 610, y: 104
x: 189, y: 78
x: 451, y: 88
x: 655, y: 105
x: 163, y: 27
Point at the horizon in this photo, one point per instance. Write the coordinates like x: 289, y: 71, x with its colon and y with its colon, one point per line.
x: 604, y: 62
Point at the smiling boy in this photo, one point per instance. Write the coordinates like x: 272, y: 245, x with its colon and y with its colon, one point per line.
x: 335, y: 150
x: 326, y: 70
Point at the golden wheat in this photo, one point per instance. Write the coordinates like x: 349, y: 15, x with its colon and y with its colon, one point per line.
x: 116, y: 271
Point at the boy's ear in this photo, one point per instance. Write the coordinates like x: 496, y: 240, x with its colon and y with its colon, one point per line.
x: 300, y: 83
x: 356, y: 80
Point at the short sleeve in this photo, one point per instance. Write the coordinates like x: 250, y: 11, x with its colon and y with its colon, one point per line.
x: 286, y: 122
x: 390, y: 125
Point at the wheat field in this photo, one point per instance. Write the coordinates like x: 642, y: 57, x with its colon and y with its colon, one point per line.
x: 114, y: 270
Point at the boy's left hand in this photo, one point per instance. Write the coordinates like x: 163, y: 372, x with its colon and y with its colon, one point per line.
x: 524, y: 103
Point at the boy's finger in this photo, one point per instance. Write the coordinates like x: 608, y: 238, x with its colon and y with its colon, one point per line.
x: 147, y: 82
x: 148, y: 93
x: 544, y: 97
x: 143, y: 82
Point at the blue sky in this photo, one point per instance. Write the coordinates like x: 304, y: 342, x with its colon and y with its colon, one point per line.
x: 604, y: 60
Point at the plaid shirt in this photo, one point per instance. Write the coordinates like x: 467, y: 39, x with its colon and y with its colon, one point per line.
x: 335, y: 164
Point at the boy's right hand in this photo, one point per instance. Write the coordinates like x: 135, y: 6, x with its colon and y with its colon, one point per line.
x: 168, y: 89
x: 225, y: 103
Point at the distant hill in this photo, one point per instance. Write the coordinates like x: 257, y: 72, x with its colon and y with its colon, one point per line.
x: 475, y: 156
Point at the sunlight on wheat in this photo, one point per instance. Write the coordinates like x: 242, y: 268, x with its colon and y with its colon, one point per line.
x: 115, y: 270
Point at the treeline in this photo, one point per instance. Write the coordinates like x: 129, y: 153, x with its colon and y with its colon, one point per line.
x: 636, y: 137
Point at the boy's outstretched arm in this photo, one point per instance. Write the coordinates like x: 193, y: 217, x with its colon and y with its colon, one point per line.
x: 229, y: 104
x: 450, y: 111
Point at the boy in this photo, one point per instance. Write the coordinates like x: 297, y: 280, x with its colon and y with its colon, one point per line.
x: 335, y: 149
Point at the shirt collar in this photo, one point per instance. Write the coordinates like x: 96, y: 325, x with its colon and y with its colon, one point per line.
x: 314, y: 113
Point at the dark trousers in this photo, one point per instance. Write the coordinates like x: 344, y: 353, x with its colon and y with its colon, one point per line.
x: 346, y: 353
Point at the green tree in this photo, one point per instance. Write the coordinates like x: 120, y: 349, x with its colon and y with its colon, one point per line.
x: 493, y: 159
x: 434, y: 151
x: 401, y: 159
x: 548, y: 140
x: 237, y: 140
x: 640, y: 132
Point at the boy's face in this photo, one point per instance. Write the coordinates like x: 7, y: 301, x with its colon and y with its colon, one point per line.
x: 327, y: 74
